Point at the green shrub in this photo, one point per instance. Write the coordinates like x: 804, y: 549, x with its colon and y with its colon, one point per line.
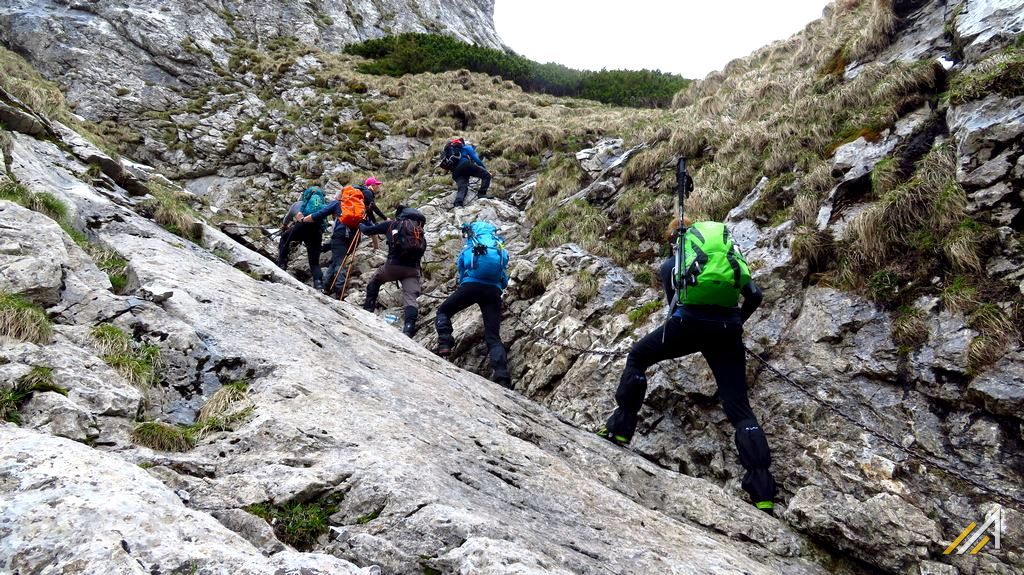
x: 414, y: 53
x: 44, y: 203
x: 22, y: 320
x: 298, y: 524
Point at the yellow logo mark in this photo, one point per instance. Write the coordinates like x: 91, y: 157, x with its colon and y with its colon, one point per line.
x: 976, y: 539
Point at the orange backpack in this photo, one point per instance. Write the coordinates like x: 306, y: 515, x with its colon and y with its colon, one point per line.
x: 353, y: 208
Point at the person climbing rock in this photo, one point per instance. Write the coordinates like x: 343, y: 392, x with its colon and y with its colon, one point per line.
x: 310, y: 234
x: 483, y: 275
x: 407, y: 243
x: 349, y: 210
x: 461, y: 159
x: 371, y: 190
x: 706, y: 319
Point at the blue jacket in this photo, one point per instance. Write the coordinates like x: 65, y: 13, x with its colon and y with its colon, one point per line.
x: 468, y: 153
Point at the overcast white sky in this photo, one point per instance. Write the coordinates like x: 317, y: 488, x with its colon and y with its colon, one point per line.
x: 688, y: 37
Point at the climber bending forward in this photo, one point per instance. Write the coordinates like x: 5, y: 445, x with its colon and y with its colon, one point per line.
x: 708, y: 320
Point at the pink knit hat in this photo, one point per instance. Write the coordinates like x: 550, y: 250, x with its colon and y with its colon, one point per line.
x: 372, y: 182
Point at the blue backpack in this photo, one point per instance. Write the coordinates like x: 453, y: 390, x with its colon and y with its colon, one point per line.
x: 312, y: 200
x: 484, y: 259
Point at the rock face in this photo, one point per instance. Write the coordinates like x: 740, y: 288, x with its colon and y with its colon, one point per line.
x: 439, y: 469
x: 118, y: 56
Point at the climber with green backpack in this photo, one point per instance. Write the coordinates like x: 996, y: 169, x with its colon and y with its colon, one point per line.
x: 707, y: 275
x: 309, y: 233
x: 483, y: 275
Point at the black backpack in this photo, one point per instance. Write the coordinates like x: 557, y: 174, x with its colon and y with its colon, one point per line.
x: 406, y: 236
x: 451, y: 155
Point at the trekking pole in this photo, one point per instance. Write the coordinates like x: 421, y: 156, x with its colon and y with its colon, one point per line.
x: 684, y: 185
x: 334, y: 280
x: 352, y: 259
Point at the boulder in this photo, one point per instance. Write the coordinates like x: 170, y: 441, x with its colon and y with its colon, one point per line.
x: 986, y: 26
x: 599, y: 158
x: 883, y: 529
x: 113, y: 518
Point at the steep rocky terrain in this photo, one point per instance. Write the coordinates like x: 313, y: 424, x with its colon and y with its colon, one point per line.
x: 116, y: 59
x: 876, y: 189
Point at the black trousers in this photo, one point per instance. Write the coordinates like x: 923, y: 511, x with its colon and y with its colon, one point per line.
x: 341, y: 240
x: 489, y: 299
x: 464, y: 171
x: 721, y: 344
x: 311, y: 236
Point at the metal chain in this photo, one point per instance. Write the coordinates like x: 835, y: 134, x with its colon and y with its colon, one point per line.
x: 925, y: 459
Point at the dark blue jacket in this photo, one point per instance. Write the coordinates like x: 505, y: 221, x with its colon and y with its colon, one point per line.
x: 384, y: 228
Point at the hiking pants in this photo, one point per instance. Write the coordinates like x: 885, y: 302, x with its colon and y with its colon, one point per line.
x: 465, y: 170
x: 341, y: 241
x: 408, y: 276
x: 721, y: 345
x: 489, y: 299
x: 311, y: 236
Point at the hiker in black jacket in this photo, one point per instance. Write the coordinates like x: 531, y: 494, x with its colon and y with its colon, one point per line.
x: 716, y: 331
x: 371, y: 189
x: 406, y: 245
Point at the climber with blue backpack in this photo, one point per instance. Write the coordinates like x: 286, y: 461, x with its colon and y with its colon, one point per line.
x: 309, y: 233
x: 483, y: 275
x: 461, y: 160
x: 349, y: 210
x: 704, y: 282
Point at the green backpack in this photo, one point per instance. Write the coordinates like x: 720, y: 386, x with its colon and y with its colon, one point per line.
x: 715, y: 268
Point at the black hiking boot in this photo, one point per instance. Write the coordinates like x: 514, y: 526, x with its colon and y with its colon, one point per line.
x: 318, y: 285
x: 619, y: 440
x: 504, y: 381
x: 370, y: 305
x: 443, y: 351
x: 411, y: 314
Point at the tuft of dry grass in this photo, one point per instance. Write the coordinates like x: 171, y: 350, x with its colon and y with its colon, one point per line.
x: 587, y: 286
x: 163, y: 437
x: 22, y: 320
x: 909, y: 327
x: 811, y: 245
x: 221, y: 401
x: 139, y: 363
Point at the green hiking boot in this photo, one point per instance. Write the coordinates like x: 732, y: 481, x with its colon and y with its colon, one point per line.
x: 619, y: 440
x: 766, y: 506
